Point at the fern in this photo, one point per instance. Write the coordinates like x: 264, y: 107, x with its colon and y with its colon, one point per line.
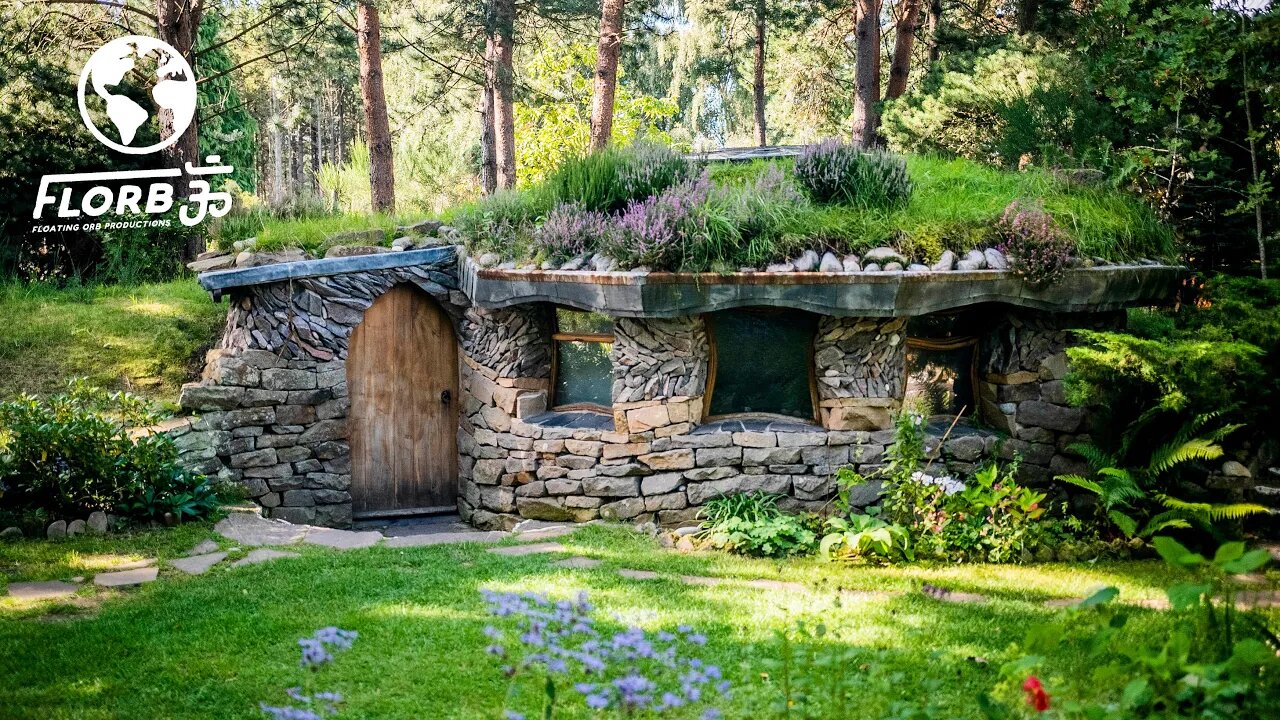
x: 1176, y: 453
x: 1212, y: 512
x: 1094, y: 455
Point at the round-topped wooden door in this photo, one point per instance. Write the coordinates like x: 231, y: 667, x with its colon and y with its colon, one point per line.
x: 402, y: 376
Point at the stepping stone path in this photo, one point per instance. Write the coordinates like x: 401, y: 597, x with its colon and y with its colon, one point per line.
x: 530, y: 549
x: 126, y: 578
x: 249, y: 529
x: 343, y: 539
x: 198, y: 564
x: 952, y: 596
x: 204, y: 547
x: 441, y: 538
x: 261, y: 555
x: 639, y: 574
x: 51, y: 590
x: 134, y: 564
x: 579, y: 563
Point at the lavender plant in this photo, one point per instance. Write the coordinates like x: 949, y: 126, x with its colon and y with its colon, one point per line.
x: 657, y: 231
x: 833, y: 171
x: 648, y: 169
x: 317, y: 651
x: 571, y: 230
x: 1037, y: 248
x: 625, y: 673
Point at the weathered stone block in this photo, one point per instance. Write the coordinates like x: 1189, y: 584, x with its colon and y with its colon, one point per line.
x: 487, y: 472
x: 622, y: 509
x: 196, y: 396
x: 324, y: 431
x: 681, y: 459
x: 611, y: 452
x: 611, y: 487
x: 285, y: 379
x: 660, y: 484
x: 672, y: 501
x: 770, y: 456
x: 718, y: 457
x: 755, y: 439
x: 255, y: 458
x: 589, y: 448
x: 1052, y: 417
x: 543, y: 508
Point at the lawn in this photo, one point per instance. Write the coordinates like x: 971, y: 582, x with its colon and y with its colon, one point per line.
x: 147, y: 339
x: 214, y: 646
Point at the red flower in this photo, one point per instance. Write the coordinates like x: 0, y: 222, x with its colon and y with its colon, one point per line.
x: 1036, y: 696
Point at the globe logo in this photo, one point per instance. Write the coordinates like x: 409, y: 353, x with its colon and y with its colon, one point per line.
x: 152, y: 64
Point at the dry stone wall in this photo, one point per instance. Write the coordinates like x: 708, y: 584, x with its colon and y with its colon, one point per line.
x: 270, y: 410
x: 861, y: 371
x: 1023, y: 363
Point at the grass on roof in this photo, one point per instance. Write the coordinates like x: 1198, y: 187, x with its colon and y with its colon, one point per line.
x: 147, y: 339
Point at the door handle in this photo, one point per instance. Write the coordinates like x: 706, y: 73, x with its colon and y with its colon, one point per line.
x: 446, y: 397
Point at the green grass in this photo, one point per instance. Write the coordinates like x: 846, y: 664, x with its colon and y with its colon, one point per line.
x: 148, y: 339
x: 214, y: 646
x: 308, y: 233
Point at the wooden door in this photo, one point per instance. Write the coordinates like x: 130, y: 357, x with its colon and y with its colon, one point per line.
x: 402, y: 375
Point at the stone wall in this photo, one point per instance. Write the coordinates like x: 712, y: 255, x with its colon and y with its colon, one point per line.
x: 660, y: 374
x: 1022, y: 364
x: 861, y: 371
x: 270, y: 409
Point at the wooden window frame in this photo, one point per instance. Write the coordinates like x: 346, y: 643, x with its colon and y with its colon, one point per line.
x: 713, y: 354
x: 558, y: 337
x: 957, y: 343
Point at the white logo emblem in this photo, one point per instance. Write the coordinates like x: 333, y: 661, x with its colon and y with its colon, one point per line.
x: 170, y: 82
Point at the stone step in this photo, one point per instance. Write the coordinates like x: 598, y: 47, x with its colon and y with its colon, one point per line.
x: 1268, y: 495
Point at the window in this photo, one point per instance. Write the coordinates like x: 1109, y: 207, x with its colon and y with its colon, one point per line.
x: 582, y: 374
x: 762, y: 362
x: 942, y: 355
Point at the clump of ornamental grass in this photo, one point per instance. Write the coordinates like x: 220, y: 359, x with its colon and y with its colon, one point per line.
x: 753, y: 223
x: 835, y: 172
x: 626, y: 673
x: 608, y: 179
x: 571, y: 230
x: 656, y: 232
x: 648, y: 169
x: 1037, y: 248
x: 501, y: 222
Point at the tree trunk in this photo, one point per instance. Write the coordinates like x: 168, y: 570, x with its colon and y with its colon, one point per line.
x: 277, y: 151
x: 488, y: 164
x: 904, y: 42
x: 866, y: 111
x: 762, y: 131
x: 502, y: 42
x: 935, y: 20
x: 382, y: 181
x: 178, y: 24
x: 606, y: 84
x: 1028, y: 10
x: 317, y: 144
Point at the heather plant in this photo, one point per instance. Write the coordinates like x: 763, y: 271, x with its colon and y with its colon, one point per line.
x: 1037, y: 248
x: 571, y: 230
x: 835, y: 172
x: 626, y: 673
x: 657, y: 232
x: 648, y: 168
x: 754, y: 222
x: 501, y: 222
x: 317, y: 652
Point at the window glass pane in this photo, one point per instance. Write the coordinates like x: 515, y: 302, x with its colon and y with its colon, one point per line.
x: 762, y: 362
x: 584, y: 373
x: 576, y: 322
x: 942, y: 380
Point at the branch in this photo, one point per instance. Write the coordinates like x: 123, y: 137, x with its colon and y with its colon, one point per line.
x: 310, y: 33
x: 97, y: 3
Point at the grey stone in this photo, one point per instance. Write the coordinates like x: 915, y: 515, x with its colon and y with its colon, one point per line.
x: 204, y: 547
x: 917, y: 267
x: 976, y: 258
x: 285, y: 379
x: 995, y: 259
x: 968, y: 266
x: 638, y: 574
x: 718, y: 457
x: 57, y: 530
x: 249, y: 529
x: 807, y: 262
x: 343, y: 539
x: 946, y: 261
x: 261, y: 555
x: 1046, y: 415
x: 443, y: 538
x: 578, y: 562
x: 830, y: 263
x: 97, y: 523
x: 883, y: 255
x: 49, y: 590
x: 196, y: 396
x: 851, y: 264
x: 529, y: 549
x: 611, y: 486
x: 893, y: 267
x: 783, y: 267
x: 198, y: 564
x: 624, y: 509
x: 11, y: 533
x: 343, y: 251
x: 126, y: 578
x: 1231, y: 468
x: 871, y: 267
x: 661, y: 483
x: 965, y: 448
x: 75, y: 527
x: 551, y: 509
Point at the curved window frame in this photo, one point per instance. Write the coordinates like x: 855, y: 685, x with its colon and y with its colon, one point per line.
x: 557, y: 337
x: 955, y: 343
x: 712, y: 366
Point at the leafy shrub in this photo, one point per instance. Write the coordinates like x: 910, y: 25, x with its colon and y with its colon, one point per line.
x: 571, y: 230
x: 835, y: 172
x: 865, y: 535
x: 1214, y: 662
x: 649, y: 168
x: 752, y: 524
x: 1038, y: 249
x: 73, y: 454
x: 658, y: 231
x: 131, y: 256
x: 501, y: 222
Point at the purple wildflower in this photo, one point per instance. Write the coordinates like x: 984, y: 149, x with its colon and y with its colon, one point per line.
x: 571, y: 230
x: 654, y: 232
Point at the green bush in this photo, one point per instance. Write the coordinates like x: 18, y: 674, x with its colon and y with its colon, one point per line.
x: 834, y: 172
x: 131, y: 256
x: 74, y: 453
x: 502, y: 222
x: 752, y: 524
